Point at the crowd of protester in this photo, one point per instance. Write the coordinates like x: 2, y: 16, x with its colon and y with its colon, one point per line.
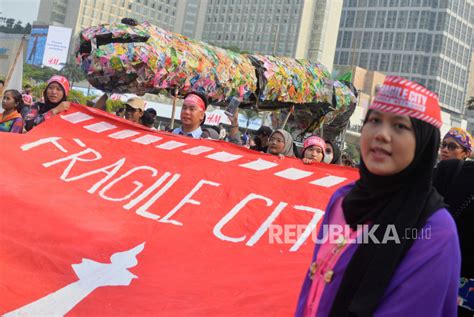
x: 425, y: 183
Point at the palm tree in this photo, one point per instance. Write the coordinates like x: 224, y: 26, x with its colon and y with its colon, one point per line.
x: 72, y: 72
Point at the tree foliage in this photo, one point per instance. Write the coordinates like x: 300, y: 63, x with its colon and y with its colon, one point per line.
x: 470, y: 103
x: 113, y: 105
x: 10, y: 25
x: 36, y: 73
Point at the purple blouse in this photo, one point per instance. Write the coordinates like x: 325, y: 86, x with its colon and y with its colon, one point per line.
x: 424, y: 284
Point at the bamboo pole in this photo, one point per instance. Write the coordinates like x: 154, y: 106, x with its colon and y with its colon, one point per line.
x: 12, y: 67
x: 287, y: 117
x: 173, y: 111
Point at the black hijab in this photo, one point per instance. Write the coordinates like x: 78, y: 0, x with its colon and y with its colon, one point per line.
x: 405, y: 200
x: 47, y: 104
x: 335, y: 152
x: 454, y: 180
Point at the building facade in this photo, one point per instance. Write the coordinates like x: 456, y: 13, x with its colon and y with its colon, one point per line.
x: 368, y: 82
x: 428, y: 41
x: 294, y: 28
x: 172, y: 15
x: 469, y: 95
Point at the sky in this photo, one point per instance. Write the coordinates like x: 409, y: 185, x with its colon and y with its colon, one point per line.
x: 23, y: 10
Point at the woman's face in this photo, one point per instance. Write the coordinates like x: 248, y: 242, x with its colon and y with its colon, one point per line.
x: 8, y: 102
x: 54, y: 92
x: 132, y: 114
x: 387, y: 143
x: 328, y: 153
x: 314, y: 152
x: 451, y: 149
x: 276, y: 143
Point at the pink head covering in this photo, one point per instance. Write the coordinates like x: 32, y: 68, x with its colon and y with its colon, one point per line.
x: 404, y: 97
x: 62, y: 81
x: 193, y: 99
x: 314, y: 140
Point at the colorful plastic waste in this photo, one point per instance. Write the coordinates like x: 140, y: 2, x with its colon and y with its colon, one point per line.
x: 143, y: 58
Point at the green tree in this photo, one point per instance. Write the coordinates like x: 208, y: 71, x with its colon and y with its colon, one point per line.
x: 37, y: 90
x: 78, y: 97
x: 250, y: 114
x: 27, y: 29
x: 470, y: 103
x: 36, y: 73
x: 113, y: 105
x: 9, y: 23
x: 18, y: 27
x: 72, y: 72
x: 353, y: 151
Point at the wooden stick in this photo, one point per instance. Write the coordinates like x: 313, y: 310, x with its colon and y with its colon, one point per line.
x: 287, y: 117
x: 173, y: 111
x: 12, y: 67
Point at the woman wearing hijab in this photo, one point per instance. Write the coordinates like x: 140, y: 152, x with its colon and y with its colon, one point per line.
x: 454, y: 180
x: 396, y: 268
x: 209, y: 133
x: 280, y: 143
x: 457, y: 144
x: 313, y: 150
x: 332, y: 154
x: 55, y: 96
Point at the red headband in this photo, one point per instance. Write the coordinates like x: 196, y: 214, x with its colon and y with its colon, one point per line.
x: 195, y: 100
x: 401, y: 96
x: 314, y: 140
x: 62, y: 81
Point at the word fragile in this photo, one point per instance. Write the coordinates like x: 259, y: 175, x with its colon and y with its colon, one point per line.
x: 142, y: 198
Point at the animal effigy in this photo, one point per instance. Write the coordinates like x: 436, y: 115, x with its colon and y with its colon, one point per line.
x: 143, y: 58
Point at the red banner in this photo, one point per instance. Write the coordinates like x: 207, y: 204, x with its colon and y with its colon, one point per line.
x: 103, y: 217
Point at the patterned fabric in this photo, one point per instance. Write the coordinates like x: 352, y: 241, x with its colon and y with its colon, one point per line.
x: 461, y: 136
x: 401, y: 96
x: 33, y: 117
x: 11, y: 123
x: 466, y: 293
x: 427, y: 280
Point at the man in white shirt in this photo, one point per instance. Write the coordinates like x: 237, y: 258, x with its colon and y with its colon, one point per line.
x: 192, y: 115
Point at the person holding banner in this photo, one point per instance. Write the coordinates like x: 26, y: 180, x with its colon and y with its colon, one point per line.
x: 313, y: 150
x: 55, y: 102
x: 134, y: 109
x: 281, y: 143
x: 397, y: 253
x: 10, y: 119
x: 193, y: 115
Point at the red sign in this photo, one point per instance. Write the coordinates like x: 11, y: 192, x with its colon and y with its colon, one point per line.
x: 103, y: 217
